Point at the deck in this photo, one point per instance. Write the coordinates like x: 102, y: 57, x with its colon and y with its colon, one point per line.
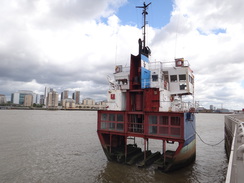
x: 234, y: 145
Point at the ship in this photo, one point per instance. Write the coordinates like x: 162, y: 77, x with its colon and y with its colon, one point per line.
x: 146, y: 102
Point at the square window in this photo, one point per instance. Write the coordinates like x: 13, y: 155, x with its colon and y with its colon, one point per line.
x: 120, y: 117
x: 182, y: 77
x: 152, y: 129
x: 155, y: 77
x: 173, y: 78
x: 183, y: 86
x: 163, y: 120
x: 152, y: 119
x: 120, y: 127
x: 104, y: 117
x: 111, y: 117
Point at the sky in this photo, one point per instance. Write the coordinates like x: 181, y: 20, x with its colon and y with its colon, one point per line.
x: 73, y: 45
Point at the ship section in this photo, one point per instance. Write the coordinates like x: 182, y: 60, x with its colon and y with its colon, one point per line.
x: 145, y: 104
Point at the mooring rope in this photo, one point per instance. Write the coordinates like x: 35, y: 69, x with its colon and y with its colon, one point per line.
x: 204, y: 141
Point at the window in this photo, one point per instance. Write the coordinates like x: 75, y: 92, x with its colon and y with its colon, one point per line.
x: 163, y: 120
x: 112, y: 126
x: 182, y: 77
x: 103, y: 125
x: 120, y: 127
x: 173, y: 78
x: 191, y: 80
x: 175, y: 121
x: 120, y: 117
x: 155, y: 77
x: 104, y: 117
x: 152, y: 119
x: 183, y: 86
x: 111, y: 117
x: 152, y: 129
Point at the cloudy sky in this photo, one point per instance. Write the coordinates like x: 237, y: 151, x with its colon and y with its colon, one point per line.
x: 75, y: 44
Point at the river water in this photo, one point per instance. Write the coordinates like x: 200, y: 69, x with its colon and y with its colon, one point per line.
x: 62, y: 146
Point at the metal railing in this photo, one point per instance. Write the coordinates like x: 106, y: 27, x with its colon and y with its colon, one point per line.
x: 235, y: 128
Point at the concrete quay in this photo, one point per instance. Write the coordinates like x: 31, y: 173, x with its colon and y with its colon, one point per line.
x: 234, y: 146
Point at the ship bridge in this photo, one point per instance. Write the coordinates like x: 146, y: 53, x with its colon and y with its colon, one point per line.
x: 170, y: 80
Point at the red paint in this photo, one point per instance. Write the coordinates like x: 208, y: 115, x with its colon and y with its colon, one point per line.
x: 112, y: 96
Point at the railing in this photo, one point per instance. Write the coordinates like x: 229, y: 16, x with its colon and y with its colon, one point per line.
x: 234, y: 128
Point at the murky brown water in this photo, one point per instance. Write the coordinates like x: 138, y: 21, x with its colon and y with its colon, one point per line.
x: 62, y: 146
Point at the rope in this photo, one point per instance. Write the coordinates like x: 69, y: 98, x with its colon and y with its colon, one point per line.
x: 204, y: 141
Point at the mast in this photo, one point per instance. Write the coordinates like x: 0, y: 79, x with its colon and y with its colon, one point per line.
x: 144, y: 13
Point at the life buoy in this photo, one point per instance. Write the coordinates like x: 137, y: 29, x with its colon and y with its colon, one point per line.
x: 179, y: 62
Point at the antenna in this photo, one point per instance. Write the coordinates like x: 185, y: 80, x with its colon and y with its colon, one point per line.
x: 144, y: 13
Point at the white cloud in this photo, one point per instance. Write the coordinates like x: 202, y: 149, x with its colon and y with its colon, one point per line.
x: 209, y: 35
x: 64, y: 44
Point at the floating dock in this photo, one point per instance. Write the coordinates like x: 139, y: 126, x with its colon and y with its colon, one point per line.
x: 234, y: 146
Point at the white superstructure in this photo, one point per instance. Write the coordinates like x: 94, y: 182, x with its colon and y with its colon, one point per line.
x: 173, y: 79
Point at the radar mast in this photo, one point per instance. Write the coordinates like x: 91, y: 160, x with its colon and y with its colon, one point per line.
x: 145, y: 49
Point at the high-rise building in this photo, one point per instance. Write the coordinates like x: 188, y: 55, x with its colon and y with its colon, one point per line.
x: 47, y: 90
x: 76, y: 97
x: 19, y: 97
x: 65, y: 94
x: 52, y: 99
x: 28, y: 100
x: 36, y: 98
x: 2, y: 99
x: 42, y: 99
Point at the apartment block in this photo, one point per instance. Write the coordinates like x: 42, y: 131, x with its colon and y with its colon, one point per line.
x: 52, y: 100
x: 76, y: 97
x: 2, y: 99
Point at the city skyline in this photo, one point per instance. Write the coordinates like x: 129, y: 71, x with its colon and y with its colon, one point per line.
x: 75, y: 95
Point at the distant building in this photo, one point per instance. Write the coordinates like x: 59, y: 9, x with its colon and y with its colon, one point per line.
x: 65, y: 94
x: 19, y: 97
x: 222, y: 110
x: 52, y: 100
x: 68, y: 103
x: 47, y: 90
x: 2, y: 99
x: 28, y: 100
x: 42, y: 99
x: 36, y: 98
x: 15, y: 98
x: 200, y: 109
x: 76, y: 97
x: 88, y: 101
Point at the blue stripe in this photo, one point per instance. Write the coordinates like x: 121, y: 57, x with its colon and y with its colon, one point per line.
x: 144, y: 58
x: 189, y: 140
